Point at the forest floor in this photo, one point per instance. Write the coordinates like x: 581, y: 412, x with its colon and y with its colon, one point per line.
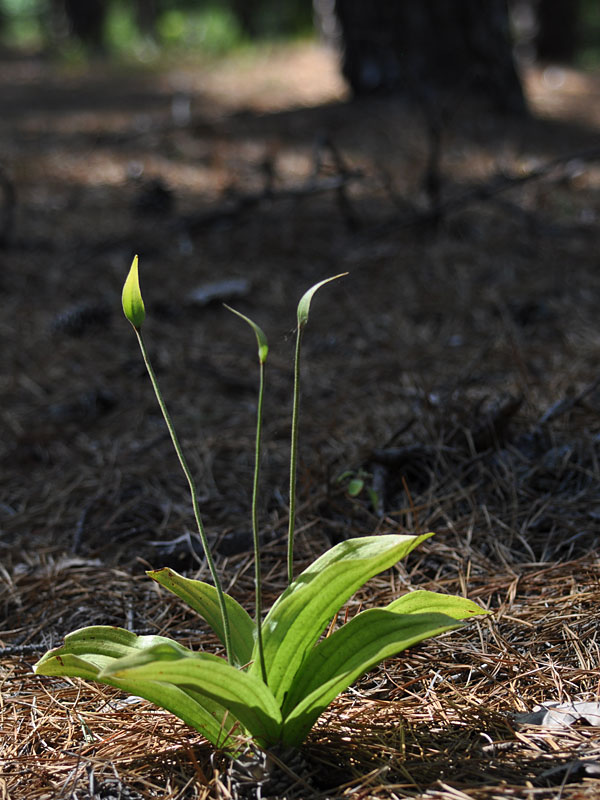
x: 455, y: 371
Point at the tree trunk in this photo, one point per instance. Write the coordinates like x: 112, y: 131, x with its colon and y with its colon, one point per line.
x: 557, y: 36
x: 246, y: 12
x: 86, y: 21
x: 146, y: 14
x: 430, y: 49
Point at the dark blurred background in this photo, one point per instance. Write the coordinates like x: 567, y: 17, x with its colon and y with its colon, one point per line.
x: 376, y: 34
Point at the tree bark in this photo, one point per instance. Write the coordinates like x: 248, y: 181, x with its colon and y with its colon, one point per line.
x: 557, y: 36
x: 86, y: 21
x: 430, y: 49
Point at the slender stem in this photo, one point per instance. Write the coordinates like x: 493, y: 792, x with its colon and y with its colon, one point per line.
x: 194, y: 494
x: 294, y: 455
x: 257, y: 572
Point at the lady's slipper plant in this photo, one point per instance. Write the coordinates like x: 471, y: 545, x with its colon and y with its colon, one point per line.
x: 279, y: 674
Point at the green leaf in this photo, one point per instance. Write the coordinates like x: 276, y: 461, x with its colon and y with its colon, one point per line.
x: 302, y: 612
x: 203, y: 598
x: 424, y: 602
x: 355, y: 487
x: 305, y: 300
x: 89, y: 653
x: 261, y: 339
x: 133, y: 305
x: 373, y: 499
x: 356, y: 634
x: 370, y: 637
x: 347, y: 474
x: 212, y: 678
x: 348, y: 653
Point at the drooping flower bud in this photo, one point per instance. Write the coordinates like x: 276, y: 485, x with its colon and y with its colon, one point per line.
x: 304, y: 304
x: 261, y: 339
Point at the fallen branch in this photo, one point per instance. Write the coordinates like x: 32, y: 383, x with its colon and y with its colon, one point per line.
x: 487, y: 191
x: 250, y: 200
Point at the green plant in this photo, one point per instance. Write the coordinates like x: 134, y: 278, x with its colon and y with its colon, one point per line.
x: 279, y: 674
x: 358, y: 481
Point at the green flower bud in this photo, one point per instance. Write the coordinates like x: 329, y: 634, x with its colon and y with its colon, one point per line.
x: 261, y: 339
x: 133, y: 305
x: 304, y: 304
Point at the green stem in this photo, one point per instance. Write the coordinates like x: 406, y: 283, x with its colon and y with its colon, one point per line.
x: 294, y: 455
x: 193, y: 492
x: 257, y: 571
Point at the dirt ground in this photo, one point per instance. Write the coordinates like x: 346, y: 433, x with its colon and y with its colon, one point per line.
x: 454, y: 370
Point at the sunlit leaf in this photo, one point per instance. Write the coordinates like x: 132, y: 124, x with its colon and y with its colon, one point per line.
x: 203, y: 598
x: 424, y: 602
x: 90, y: 652
x: 340, y: 659
x: 370, y: 637
x: 211, y: 677
x: 302, y: 612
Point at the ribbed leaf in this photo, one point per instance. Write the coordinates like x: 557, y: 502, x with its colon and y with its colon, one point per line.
x: 247, y: 697
x: 300, y: 615
x: 352, y: 650
x: 424, y: 602
x: 324, y: 660
x: 202, y: 597
x: 88, y: 652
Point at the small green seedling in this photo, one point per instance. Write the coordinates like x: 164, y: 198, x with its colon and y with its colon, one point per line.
x: 358, y: 482
x: 279, y: 674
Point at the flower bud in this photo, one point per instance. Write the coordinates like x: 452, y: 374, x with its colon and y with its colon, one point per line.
x: 133, y: 305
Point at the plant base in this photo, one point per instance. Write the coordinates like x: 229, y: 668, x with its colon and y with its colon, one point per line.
x: 280, y: 773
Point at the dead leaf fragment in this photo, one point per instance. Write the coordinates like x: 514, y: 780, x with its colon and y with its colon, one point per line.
x: 555, y: 715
